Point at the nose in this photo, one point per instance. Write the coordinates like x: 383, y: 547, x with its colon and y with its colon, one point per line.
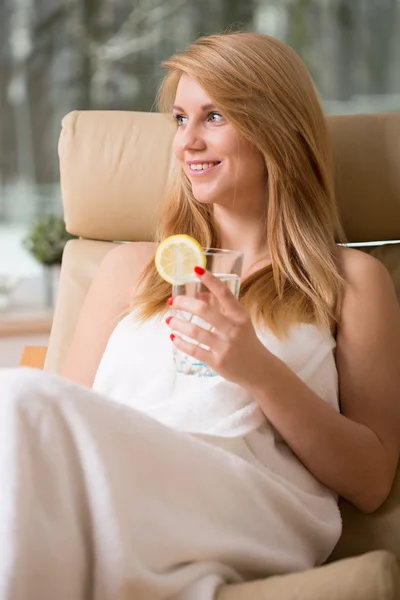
x: 191, y: 138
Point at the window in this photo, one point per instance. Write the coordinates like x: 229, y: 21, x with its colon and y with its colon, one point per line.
x: 60, y: 55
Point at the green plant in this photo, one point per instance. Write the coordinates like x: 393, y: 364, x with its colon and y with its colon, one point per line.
x: 46, y: 239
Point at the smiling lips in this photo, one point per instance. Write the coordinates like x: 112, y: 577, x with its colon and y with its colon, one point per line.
x: 199, y: 168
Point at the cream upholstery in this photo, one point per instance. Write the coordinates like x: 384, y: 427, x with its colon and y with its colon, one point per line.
x: 113, y: 170
x: 373, y: 576
x: 113, y: 186
x: 367, y: 177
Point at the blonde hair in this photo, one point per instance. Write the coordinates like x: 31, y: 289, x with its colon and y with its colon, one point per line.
x: 264, y: 90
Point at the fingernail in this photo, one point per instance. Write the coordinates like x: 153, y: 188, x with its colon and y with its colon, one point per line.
x: 170, y: 301
x: 167, y: 320
x: 199, y: 270
x: 172, y: 337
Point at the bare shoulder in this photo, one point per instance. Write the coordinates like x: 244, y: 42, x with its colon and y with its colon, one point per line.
x: 369, y: 300
x: 359, y: 268
x: 369, y: 286
x: 124, y: 265
x: 129, y: 250
x: 128, y: 260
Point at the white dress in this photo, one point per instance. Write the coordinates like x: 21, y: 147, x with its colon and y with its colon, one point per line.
x: 155, y: 485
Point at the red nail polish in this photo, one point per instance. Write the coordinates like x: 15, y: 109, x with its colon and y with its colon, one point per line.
x: 172, y: 337
x: 199, y: 270
x: 170, y: 301
x: 167, y: 320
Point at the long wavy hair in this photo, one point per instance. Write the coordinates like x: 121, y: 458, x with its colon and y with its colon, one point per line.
x: 264, y: 90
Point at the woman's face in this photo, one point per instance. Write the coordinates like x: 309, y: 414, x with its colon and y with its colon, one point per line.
x: 222, y: 166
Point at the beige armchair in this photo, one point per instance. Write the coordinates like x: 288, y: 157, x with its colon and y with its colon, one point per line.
x: 113, y: 170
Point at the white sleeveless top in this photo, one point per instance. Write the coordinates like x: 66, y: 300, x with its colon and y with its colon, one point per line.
x: 137, y: 369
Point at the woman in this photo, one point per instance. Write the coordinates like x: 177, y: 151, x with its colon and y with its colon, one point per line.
x: 227, y: 478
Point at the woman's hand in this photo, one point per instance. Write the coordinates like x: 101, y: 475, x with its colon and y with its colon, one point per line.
x: 235, y: 352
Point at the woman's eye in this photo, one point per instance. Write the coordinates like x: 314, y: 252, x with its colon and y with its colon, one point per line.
x: 215, y: 117
x: 180, y: 119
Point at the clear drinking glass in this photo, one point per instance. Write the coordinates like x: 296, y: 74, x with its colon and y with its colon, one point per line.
x: 227, y: 266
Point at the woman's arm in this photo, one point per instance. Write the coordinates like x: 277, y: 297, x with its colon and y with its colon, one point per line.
x: 354, y: 453
x: 107, y: 299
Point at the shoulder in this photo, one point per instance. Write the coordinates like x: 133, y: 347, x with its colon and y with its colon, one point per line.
x: 126, y: 253
x: 369, y: 296
x: 369, y: 320
x: 126, y: 262
x: 362, y: 272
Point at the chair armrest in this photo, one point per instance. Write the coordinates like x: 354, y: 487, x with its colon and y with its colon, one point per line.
x: 33, y: 356
x: 372, y: 576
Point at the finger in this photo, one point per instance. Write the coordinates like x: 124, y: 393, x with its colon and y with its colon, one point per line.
x: 220, y: 290
x: 193, y: 350
x: 195, y: 332
x: 203, y: 310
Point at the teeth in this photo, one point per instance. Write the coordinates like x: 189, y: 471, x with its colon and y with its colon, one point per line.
x: 201, y: 167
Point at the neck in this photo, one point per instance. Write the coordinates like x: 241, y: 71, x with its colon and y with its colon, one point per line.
x: 245, y: 233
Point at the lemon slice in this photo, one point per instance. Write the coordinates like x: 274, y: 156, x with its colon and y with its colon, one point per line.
x: 177, y: 256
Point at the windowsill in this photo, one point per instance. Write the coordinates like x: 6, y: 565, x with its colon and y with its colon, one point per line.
x: 28, y: 313
x: 25, y: 322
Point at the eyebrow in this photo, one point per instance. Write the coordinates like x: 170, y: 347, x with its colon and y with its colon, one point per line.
x: 204, y: 107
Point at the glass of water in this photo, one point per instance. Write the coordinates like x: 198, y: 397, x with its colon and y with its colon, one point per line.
x: 227, y: 266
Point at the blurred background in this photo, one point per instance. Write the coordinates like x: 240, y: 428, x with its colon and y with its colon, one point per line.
x: 61, y: 55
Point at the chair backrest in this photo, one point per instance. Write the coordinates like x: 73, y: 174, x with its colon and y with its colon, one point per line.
x: 114, y: 167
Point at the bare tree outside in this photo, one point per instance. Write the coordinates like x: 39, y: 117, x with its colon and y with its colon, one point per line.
x: 61, y: 55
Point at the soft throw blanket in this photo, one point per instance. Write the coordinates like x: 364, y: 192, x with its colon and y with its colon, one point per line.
x: 99, y: 501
